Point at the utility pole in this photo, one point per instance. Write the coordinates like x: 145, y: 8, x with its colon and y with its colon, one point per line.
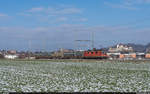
x: 44, y: 45
x: 29, y: 44
x: 92, y: 40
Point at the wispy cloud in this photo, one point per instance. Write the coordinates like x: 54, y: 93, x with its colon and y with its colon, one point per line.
x: 140, y: 1
x: 83, y: 19
x: 54, y: 14
x: 127, y: 4
x: 61, y: 19
x: 3, y: 15
x: 55, y: 11
x: 38, y: 9
x: 122, y: 5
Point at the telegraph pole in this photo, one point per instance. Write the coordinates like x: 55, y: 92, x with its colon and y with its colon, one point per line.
x: 92, y: 40
x: 29, y: 43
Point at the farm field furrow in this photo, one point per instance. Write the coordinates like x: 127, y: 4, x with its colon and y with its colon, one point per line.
x: 41, y: 76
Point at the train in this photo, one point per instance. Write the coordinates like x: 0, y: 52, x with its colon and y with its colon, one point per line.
x: 88, y: 54
x: 94, y: 54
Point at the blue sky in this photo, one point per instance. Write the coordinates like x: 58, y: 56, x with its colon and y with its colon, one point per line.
x: 52, y: 24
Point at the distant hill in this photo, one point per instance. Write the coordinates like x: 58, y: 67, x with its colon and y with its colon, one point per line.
x: 138, y: 47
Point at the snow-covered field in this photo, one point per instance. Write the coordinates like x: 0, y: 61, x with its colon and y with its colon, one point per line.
x: 45, y: 76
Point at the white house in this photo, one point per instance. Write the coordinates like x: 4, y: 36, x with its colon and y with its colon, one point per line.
x: 10, y: 56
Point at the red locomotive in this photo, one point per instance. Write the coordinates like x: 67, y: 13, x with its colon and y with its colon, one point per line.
x: 94, y: 54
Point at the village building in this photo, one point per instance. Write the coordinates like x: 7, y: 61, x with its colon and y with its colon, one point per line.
x: 147, y: 55
x: 12, y: 52
x: 10, y: 56
x: 121, y: 48
x: 128, y: 56
x: 113, y: 55
x: 140, y: 55
x: 121, y: 52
